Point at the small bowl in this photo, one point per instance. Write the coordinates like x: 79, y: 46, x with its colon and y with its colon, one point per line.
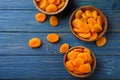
x: 52, y: 13
x: 104, y: 20
x: 93, y: 65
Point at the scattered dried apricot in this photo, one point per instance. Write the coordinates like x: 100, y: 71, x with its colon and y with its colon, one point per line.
x: 101, y: 42
x: 54, y: 21
x: 34, y: 43
x: 40, y: 17
x: 64, y: 48
x: 52, y: 37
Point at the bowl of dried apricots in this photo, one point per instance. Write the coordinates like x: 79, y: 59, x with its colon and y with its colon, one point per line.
x: 50, y: 7
x: 79, y: 61
x: 88, y: 23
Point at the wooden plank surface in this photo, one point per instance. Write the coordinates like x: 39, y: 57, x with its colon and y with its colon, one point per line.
x: 17, y: 26
x: 52, y: 67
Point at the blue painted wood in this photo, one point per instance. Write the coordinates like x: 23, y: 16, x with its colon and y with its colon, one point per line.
x: 27, y: 4
x: 17, y: 44
x: 23, y: 20
x: 17, y: 26
x: 52, y: 67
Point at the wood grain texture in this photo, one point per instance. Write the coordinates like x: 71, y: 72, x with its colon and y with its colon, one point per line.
x: 17, y: 44
x: 28, y: 4
x: 52, y: 67
x: 23, y: 20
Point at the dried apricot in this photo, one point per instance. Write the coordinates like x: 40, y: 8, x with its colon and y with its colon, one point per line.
x: 64, y: 48
x: 76, y: 23
x: 34, y: 42
x: 101, y: 42
x: 72, y: 55
x: 43, y: 4
x: 51, y: 8
x: 88, y: 13
x: 69, y: 65
x: 94, y: 14
x: 54, y: 21
x: 76, y: 70
x: 61, y: 5
x: 78, y: 61
x: 40, y: 17
x: 52, y: 37
x: 78, y: 14
x: 84, y: 35
x: 93, y: 36
x: 85, y: 68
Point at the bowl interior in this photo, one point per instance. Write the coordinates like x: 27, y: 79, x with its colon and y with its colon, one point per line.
x: 104, y: 19
x: 52, y: 13
x: 93, y: 65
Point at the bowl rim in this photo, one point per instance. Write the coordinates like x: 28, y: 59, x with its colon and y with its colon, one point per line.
x: 84, y: 75
x: 105, y: 23
x: 53, y: 13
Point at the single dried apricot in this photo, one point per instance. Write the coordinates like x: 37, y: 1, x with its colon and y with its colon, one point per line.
x: 94, y: 14
x: 97, y: 28
x: 51, y: 1
x: 88, y: 13
x: 84, y: 28
x: 87, y: 50
x: 99, y: 20
x: 69, y: 65
x: 76, y: 23
x: 84, y: 35
x: 84, y: 56
x: 53, y: 20
x: 85, y: 68
x: 101, y: 42
x: 40, y: 17
x: 34, y: 42
x: 61, y: 5
x: 72, y: 55
x: 64, y: 48
x: 51, y: 8
x: 84, y: 16
x: 91, y: 21
x: 93, y: 36
x: 43, y: 4
x: 52, y: 37
x: 57, y: 2
x: 78, y: 61
x: 76, y: 70
x: 78, y: 14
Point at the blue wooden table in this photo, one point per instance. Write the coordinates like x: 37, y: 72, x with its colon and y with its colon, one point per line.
x: 17, y: 26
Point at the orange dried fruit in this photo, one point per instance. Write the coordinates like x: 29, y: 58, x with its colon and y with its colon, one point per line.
x: 51, y: 1
x: 61, y: 5
x: 101, y: 42
x: 94, y: 14
x: 72, y: 55
x: 93, y: 36
x: 85, y: 68
x: 97, y: 28
x: 51, y: 8
x: 40, y: 17
x: 99, y: 20
x: 52, y: 37
x: 64, y: 48
x: 78, y: 14
x: 86, y: 50
x: 43, y: 4
x: 76, y: 70
x: 84, y: 35
x: 35, y: 43
x: 76, y: 23
x: 54, y: 21
x: 69, y: 65
x: 78, y: 61
x: 88, y: 13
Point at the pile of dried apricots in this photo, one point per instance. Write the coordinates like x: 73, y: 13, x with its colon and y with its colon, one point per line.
x: 51, y: 5
x: 79, y: 61
x: 87, y: 24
